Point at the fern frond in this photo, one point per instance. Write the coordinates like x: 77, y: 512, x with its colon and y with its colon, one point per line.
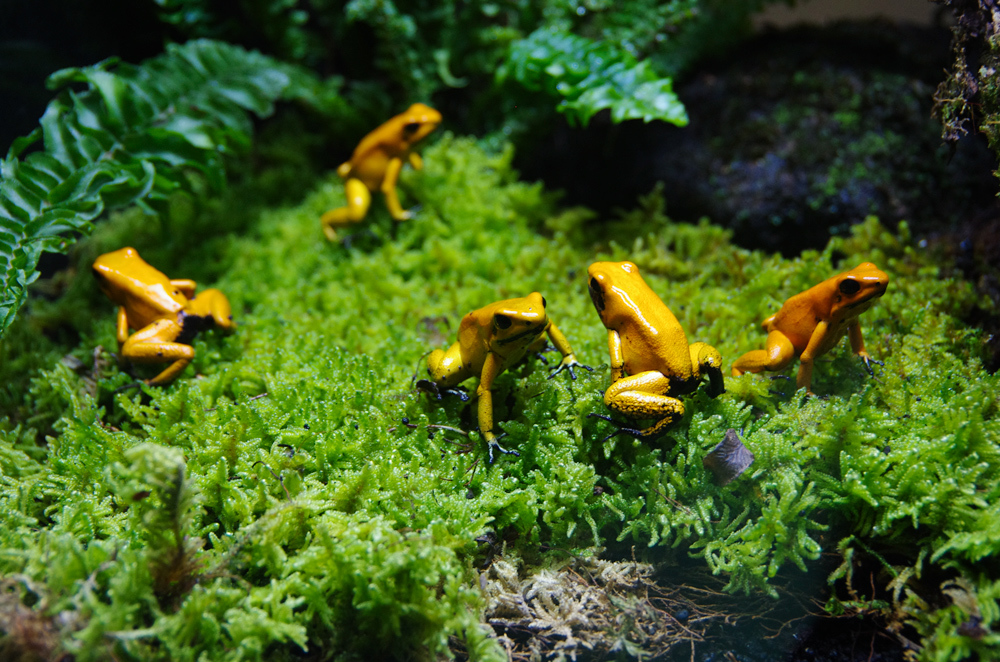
x: 130, y: 136
x: 591, y: 76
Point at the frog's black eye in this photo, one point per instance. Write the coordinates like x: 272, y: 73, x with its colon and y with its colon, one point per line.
x: 849, y: 286
x: 502, y: 321
x: 596, y: 295
x: 410, y: 128
x: 544, y: 302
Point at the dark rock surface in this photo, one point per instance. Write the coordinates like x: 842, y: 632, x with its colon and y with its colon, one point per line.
x: 796, y: 135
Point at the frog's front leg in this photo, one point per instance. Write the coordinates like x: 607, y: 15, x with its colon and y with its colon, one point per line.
x: 568, y: 358
x: 644, y: 395
x: 389, y: 190
x: 121, y: 328
x: 709, y: 362
x: 617, y: 356
x: 492, y: 367
x: 154, y: 344
x: 416, y: 161
x: 778, y: 353
x: 809, y: 354
x: 359, y: 199
x: 858, y: 346
x: 213, y: 303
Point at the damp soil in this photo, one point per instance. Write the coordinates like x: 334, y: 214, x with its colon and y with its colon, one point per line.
x: 677, y: 611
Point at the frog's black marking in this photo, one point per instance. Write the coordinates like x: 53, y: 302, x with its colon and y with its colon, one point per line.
x: 596, y: 295
x: 849, y: 286
x: 530, y: 331
x: 427, y: 386
x: 191, y: 325
x: 865, y: 300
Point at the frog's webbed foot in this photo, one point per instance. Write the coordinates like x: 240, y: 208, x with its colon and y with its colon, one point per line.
x: 411, y: 213
x: 427, y: 386
x: 709, y: 362
x: 494, y: 444
x: 568, y: 366
x: 622, y: 429
x: 867, y: 361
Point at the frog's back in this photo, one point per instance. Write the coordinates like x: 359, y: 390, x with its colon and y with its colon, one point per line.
x: 144, y: 291
x: 655, y: 340
x: 799, y: 315
x: 651, y: 337
x: 473, y: 338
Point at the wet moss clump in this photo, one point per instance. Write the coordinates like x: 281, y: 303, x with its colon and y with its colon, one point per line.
x: 293, y: 495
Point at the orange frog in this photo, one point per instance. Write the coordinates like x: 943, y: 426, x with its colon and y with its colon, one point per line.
x: 164, y: 312
x: 651, y: 360
x: 491, y: 340
x: 811, y: 323
x: 375, y: 166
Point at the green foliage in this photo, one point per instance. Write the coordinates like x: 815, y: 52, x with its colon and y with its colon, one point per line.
x: 273, y: 500
x: 591, y: 76
x: 965, y: 628
x: 583, y: 55
x: 135, y: 134
x: 277, y: 23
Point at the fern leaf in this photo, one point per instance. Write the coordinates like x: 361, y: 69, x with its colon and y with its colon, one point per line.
x: 591, y: 76
x: 130, y: 137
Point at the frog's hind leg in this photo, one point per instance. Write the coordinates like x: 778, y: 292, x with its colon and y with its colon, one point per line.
x: 446, y: 371
x: 155, y: 344
x: 212, y: 303
x: 359, y: 199
x: 709, y: 362
x: 644, y: 396
x: 778, y: 354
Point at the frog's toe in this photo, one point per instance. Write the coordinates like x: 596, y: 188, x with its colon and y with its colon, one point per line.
x: 131, y: 385
x: 411, y: 212
x: 867, y: 362
x: 427, y: 386
x: 569, y: 368
x: 494, y: 444
x: 621, y: 428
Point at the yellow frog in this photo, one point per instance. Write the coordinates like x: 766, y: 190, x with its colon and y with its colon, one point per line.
x: 811, y: 323
x: 164, y: 312
x: 376, y: 163
x: 651, y: 361
x: 490, y: 340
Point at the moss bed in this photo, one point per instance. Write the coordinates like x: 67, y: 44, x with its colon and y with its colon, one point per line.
x: 293, y: 496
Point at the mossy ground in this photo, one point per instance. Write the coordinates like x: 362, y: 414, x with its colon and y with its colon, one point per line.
x: 274, y: 501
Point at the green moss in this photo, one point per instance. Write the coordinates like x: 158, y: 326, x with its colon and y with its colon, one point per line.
x: 273, y: 500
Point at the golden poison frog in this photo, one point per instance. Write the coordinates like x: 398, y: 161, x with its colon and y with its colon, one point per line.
x: 651, y: 360
x: 165, y: 313
x: 375, y: 166
x: 490, y: 340
x: 811, y: 323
